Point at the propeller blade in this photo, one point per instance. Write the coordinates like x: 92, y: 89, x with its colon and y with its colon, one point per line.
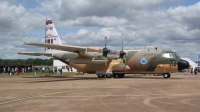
x: 122, y: 53
x: 121, y: 61
x: 122, y: 45
x: 105, y: 41
x: 105, y: 51
x: 106, y: 60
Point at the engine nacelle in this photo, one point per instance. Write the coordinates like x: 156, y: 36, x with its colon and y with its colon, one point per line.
x: 95, y: 52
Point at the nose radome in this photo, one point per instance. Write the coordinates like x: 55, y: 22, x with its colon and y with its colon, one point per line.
x: 183, y: 64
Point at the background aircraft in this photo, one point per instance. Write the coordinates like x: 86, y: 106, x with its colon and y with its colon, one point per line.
x: 106, y: 63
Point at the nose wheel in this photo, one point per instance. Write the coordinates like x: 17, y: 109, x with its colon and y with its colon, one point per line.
x: 101, y: 76
x: 166, y: 75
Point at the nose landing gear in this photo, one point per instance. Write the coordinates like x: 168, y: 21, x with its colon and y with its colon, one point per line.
x: 166, y: 75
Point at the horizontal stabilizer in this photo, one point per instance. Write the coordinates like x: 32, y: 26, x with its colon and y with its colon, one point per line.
x: 35, y: 54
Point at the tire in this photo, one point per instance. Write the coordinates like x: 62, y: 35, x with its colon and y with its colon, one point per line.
x: 120, y: 75
x: 166, y: 75
x: 101, y: 76
x: 108, y: 76
x: 114, y: 75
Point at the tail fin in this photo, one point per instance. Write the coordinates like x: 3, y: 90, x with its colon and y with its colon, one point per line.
x: 51, y: 35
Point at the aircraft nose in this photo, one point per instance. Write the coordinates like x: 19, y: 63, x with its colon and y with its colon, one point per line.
x: 183, y: 64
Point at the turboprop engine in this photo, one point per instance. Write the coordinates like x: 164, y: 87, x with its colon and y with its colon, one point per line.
x: 95, y: 52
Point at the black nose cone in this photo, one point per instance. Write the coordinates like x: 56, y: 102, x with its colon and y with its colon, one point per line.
x: 182, y: 64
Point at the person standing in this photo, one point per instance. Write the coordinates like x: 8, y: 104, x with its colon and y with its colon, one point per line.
x: 22, y: 70
x: 17, y: 70
x: 9, y: 71
x: 58, y: 71
x: 4, y: 70
x: 192, y: 71
x: 61, y: 71
x: 195, y: 71
x: 12, y: 71
x: 67, y: 68
x: 35, y: 71
x: 43, y: 69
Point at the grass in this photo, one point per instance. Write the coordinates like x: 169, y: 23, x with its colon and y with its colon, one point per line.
x: 31, y: 74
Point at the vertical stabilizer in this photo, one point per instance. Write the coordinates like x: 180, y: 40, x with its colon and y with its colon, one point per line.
x: 51, y: 36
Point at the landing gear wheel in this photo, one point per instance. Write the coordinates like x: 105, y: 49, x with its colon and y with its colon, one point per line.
x: 108, y: 76
x: 101, y: 76
x: 120, y: 75
x: 166, y: 75
x: 114, y: 75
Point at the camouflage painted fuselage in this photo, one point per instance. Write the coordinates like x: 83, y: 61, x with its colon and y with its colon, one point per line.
x: 134, y: 62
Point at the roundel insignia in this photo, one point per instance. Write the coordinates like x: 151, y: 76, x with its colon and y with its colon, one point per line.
x: 143, y: 60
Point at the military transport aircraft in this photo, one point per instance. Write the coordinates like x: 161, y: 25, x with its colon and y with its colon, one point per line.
x: 115, y: 63
x: 106, y: 62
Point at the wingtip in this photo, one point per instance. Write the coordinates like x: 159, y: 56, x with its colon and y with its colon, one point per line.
x: 24, y: 43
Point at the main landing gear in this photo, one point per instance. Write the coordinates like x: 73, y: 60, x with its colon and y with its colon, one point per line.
x: 109, y: 76
x: 104, y: 76
x: 166, y: 75
x: 118, y: 75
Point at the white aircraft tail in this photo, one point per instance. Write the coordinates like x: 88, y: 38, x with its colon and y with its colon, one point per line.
x: 51, y: 36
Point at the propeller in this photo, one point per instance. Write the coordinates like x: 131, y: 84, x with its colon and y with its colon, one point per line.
x: 121, y: 53
x: 105, y: 51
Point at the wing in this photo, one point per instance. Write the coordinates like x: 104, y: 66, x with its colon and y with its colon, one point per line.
x: 35, y: 54
x: 59, y: 47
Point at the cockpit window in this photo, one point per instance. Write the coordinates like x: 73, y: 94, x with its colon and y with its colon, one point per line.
x: 177, y: 56
x: 167, y: 55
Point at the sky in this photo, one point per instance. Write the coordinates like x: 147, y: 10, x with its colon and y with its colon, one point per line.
x: 166, y: 24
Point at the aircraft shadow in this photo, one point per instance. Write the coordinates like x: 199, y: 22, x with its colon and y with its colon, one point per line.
x: 68, y: 78
x: 61, y: 78
x: 149, y: 77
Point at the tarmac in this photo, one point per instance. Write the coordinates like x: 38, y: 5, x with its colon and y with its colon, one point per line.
x: 87, y: 93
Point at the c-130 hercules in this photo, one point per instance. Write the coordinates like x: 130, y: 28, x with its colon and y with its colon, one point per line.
x: 105, y: 62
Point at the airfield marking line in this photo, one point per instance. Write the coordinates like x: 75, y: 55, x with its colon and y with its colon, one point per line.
x: 19, y: 99
x: 27, y: 98
x: 195, y: 106
x: 6, y: 97
x: 34, y: 96
x: 43, y: 94
x: 120, y: 95
x: 46, y: 95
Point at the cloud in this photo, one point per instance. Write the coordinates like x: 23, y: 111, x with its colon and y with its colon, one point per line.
x: 162, y: 23
x: 186, y: 15
x: 9, y: 16
x: 72, y: 9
